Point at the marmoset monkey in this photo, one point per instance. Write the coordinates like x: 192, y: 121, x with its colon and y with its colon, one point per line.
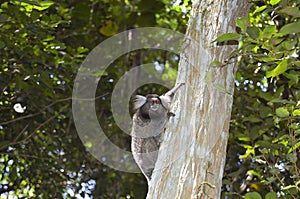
x: 148, y: 123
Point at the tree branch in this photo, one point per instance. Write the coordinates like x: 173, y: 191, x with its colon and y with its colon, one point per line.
x: 30, y: 135
x: 48, y: 106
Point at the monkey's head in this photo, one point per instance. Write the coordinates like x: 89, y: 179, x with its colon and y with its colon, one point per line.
x: 152, y: 106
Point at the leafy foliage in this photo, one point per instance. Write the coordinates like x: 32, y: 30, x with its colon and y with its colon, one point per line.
x: 263, y: 152
x: 42, y: 44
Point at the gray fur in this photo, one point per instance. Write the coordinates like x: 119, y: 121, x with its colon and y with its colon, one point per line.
x: 148, y: 123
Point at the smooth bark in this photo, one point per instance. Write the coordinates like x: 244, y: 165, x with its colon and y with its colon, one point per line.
x: 193, y: 153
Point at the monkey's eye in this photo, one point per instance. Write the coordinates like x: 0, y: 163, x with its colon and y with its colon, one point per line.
x: 154, y: 100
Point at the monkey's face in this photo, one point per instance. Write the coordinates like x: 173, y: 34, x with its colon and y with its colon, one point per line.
x: 154, y: 102
x: 153, y: 108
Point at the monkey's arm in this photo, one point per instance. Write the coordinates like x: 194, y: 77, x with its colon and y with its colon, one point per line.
x: 166, y: 99
x: 172, y: 92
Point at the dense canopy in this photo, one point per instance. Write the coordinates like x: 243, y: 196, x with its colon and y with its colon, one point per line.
x: 43, y: 43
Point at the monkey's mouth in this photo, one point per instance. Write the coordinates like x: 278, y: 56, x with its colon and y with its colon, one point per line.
x: 154, y: 107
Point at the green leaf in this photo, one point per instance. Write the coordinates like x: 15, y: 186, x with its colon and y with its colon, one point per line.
x: 295, y: 126
x: 269, y: 31
x: 243, y: 23
x: 252, y: 119
x: 290, y: 28
x: 222, y: 89
x: 253, y: 195
x: 296, y: 63
x: 274, y: 2
x: 208, y: 77
x: 109, y: 29
x: 259, y: 9
x: 88, y: 144
x: 38, y: 6
x: 293, y: 77
x: 296, y: 112
x: 263, y: 58
x: 282, y: 101
x: 257, y: 174
x: 253, y: 32
x: 216, y: 64
x: 245, y: 139
x: 228, y: 37
x: 265, y: 95
x: 296, y: 146
x: 2, y: 44
x: 282, y: 112
x: 292, y: 157
x: 274, y: 171
x: 292, y: 11
x: 289, y: 44
x: 44, y: 5
x: 281, y: 68
x: 271, y: 195
x: 289, y: 187
x: 275, y: 41
x: 248, y: 152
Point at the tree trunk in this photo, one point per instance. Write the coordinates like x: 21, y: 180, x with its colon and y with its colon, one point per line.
x: 193, y: 152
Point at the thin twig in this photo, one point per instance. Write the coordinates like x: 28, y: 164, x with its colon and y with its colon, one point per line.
x: 39, y: 126
x: 30, y: 135
x: 48, y: 106
x: 26, y: 156
x: 24, y: 129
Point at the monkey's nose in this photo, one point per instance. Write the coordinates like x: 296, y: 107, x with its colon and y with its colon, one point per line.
x: 155, y: 101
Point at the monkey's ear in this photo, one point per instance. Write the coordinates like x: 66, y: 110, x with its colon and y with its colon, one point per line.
x: 139, y: 101
x: 168, y: 96
x: 166, y: 101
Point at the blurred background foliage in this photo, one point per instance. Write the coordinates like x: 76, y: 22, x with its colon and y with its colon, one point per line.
x: 43, y: 43
x: 263, y: 149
